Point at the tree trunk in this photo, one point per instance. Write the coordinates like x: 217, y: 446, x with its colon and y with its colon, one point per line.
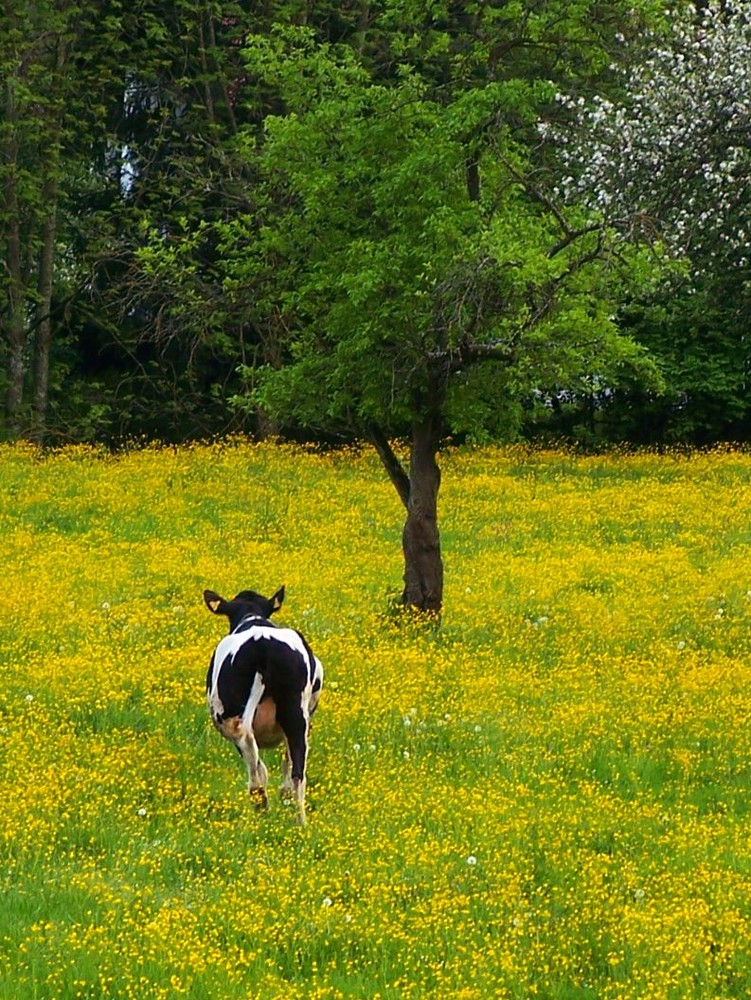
x: 421, y: 541
x: 418, y: 491
x: 13, y: 325
x: 46, y: 262
x: 14, y: 393
x: 43, y: 331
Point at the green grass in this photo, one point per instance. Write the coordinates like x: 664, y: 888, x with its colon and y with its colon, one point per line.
x: 546, y: 796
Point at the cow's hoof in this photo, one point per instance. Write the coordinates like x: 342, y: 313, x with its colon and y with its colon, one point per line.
x: 259, y: 798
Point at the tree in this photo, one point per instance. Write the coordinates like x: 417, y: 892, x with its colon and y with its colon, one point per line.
x: 34, y: 53
x: 164, y: 163
x: 424, y: 275
x: 114, y: 118
x: 672, y: 151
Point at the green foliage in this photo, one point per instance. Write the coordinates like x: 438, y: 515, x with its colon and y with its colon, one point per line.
x: 695, y: 336
x: 403, y: 237
x: 664, y: 151
x: 351, y: 202
x: 115, y: 124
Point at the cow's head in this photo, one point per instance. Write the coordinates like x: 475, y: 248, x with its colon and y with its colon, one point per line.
x: 247, y: 602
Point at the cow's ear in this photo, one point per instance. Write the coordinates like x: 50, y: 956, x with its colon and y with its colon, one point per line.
x: 216, y: 604
x: 277, y: 600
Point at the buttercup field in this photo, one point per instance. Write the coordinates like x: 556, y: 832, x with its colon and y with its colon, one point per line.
x: 547, y: 796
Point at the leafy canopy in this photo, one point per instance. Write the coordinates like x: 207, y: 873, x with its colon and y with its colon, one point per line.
x: 395, y: 278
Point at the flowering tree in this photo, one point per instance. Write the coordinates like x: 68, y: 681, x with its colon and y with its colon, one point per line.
x: 673, y: 154
x: 670, y: 160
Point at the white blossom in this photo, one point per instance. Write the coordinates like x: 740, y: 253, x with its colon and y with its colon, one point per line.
x: 674, y: 155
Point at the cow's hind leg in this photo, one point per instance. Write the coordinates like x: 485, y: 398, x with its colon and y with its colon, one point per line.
x: 257, y: 774
x: 286, y: 790
x: 295, y: 726
x: 237, y: 732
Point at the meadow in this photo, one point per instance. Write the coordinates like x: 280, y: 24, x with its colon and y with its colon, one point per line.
x: 548, y: 796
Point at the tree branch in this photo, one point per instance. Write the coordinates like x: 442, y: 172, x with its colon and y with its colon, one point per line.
x: 570, y: 235
x: 470, y: 354
x: 391, y: 463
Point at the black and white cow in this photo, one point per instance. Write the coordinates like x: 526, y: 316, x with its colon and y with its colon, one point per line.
x: 262, y: 687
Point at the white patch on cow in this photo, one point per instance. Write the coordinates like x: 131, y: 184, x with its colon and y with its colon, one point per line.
x: 318, y: 672
x: 314, y: 690
x: 216, y: 706
x: 231, y: 643
x: 254, y: 699
x: 286, y: 635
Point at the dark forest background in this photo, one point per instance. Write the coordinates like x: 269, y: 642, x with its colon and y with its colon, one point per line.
x: 176, y: 186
